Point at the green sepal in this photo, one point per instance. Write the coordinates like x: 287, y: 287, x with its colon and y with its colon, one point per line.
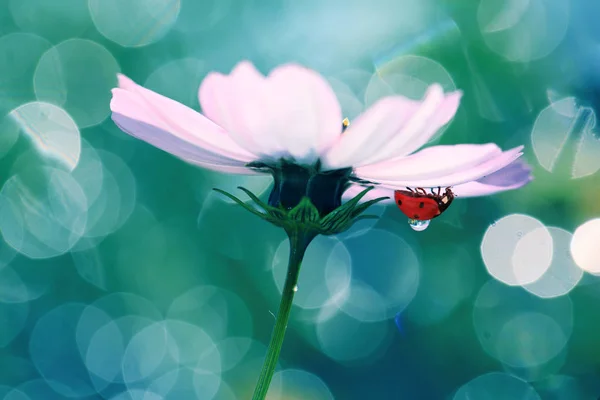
x: 363, y: 206
x: 305, y: 211
x: 305, y: 216
x: 240, y: 202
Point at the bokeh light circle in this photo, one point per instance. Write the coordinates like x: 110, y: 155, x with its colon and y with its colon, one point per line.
x: 317, y: 284
x: 114, y: 203
x: 385, y: 275
x: 584, y: 246
x: 179, y: 80
x: 43, y: 212
x: 41, y: 16
x: 296, y: 384
x: 137, y: 394
x: 13, y: 289
x: 409, y: 76
x: 523, y: 30
x: 510, y: 259
x: 58, y: 327
x: 10, y: 134
x: 520, y: 329
x: 14, y: 316
x: 563, y: 387
x: 22, y: 53
x: 200, y: 16
x: 78, y: 75
x: 51, y: 130
x: 217, y: 311
x: 39, y: 389
x: 173, y: 359
x: 445, y: 283
x: 560, y: 123
x: 134, y: 23
x: 360, y: 341
x: 563, y: 274
x: 496, y: 386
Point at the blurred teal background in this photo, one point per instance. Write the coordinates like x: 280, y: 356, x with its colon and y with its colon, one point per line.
x: 123, y: 276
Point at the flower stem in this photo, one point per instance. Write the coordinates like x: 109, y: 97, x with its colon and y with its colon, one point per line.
x: 299, y: 241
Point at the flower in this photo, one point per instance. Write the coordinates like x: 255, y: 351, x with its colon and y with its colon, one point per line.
x: 289, y: 124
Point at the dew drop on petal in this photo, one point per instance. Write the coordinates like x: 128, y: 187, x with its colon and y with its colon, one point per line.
x: 419, y: 225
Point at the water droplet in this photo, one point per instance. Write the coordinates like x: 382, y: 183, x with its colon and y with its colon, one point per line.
x: 419, y: 225
x: 296, y: 288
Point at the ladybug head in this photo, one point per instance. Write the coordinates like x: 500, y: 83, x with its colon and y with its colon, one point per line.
x: 445, y: 200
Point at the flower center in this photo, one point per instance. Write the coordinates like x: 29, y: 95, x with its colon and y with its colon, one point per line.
x: 292, y: 182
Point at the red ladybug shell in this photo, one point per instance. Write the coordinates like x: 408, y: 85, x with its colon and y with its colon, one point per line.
x: 422, y: 206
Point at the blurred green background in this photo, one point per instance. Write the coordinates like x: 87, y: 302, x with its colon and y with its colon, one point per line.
x: 123, y: 276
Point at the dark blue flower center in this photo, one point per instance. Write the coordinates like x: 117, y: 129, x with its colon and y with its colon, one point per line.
x: 292, y: 182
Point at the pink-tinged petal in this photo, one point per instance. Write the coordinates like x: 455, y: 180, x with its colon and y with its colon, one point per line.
x: 292, y: 112
x: 369, y: 132
x: 432, y: 160
x: 393, y: 126
x: 172, y: 119
x: 236, y: 101
x: 513, y: 176
x: 183, y: 149
x: 440, y: 166
x: 421, y: 129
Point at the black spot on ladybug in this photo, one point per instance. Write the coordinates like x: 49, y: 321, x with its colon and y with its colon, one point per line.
x: 399, y: 202
x: 416, y: 216
x: 421, y: 205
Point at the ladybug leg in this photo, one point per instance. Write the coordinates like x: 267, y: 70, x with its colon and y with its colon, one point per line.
x: 421, y: 191
x: 439, y: 189
x: 410, y: 189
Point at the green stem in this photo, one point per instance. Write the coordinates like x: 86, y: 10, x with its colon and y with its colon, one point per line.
x: 299, y: 241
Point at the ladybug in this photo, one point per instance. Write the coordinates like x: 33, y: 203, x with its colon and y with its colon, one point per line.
x: 422, y: 206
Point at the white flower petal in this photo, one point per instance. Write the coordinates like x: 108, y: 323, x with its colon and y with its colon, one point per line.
x: 440, y: 166
x: 394, y: 126
x: 292, y: 112
x: 515, y: 175
x: 185, y: 150
x: 420, y: 129
x: 178, y: 129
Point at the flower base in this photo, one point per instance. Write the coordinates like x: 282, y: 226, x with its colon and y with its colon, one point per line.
x: 305, y: 218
